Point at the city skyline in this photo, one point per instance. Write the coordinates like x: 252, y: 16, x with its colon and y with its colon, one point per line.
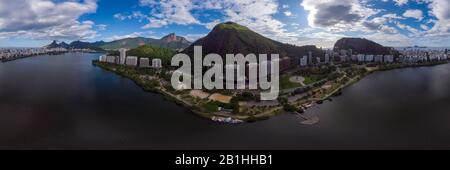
x: 301, y: 22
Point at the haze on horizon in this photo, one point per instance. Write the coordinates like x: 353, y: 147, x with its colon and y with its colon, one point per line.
x: 302, y: 22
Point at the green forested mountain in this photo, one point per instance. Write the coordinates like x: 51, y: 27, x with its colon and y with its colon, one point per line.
x: 232, y: 38
x: 147, y: 51
x: 170, y: 41
x: 363, y: 46
x: 129, y: 43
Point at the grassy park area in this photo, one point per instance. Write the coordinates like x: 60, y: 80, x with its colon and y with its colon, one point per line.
x: 285, y: 83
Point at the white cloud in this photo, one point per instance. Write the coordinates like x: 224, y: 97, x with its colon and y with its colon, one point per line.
x: 135, y: 15
x: 194, y: 37
x: 257, y: 15
x: 318, y: 37
x: 101, y: 27
x: 166, y: 12
x: 121, y: 16
x: 413, y: 13
x: 393, y: 40
x: 331, y: 19
x: 46, y: 19
x: 212, y: 24
x: 439, y: 8
x: 337, y: 15
x: 424, y: 27
x: 401, y: 2
x: 148, y: 34
x: 392, y: 16
x: 288, y: 13
x: 132, y: 35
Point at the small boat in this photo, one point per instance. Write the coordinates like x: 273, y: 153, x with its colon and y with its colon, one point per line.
x: 226, y: 120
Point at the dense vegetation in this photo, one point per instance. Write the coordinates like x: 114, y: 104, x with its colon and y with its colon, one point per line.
x: 364, y: 46
x: 232, y: 38
x: 171, y: 41
x: 147, y: 51
x: 314, y: 74
x: 285, y: 83
x: 174, y: 43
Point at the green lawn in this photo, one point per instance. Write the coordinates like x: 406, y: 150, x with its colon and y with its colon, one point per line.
x: 285, y: 83
x: 211, y: 107
x: 312, y: 79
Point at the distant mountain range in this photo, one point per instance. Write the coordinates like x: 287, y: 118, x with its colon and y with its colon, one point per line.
x: 77, y: 45
x: 171, y: 41
x: 55, y: 44
x: 363, y: 46
x: 232, y: 38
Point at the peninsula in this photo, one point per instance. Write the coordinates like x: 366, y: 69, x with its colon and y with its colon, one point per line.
x: 309, y: 75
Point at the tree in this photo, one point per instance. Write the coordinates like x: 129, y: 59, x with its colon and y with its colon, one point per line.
x: 289, y: 108
x: 283, y: 100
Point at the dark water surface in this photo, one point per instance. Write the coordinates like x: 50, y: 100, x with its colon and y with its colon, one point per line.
x: 65, y: 102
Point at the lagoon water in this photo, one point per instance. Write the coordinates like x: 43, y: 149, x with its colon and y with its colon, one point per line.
x: 63, y: 101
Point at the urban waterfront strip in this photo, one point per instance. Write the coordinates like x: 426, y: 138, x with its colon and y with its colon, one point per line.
x: 237, y: 106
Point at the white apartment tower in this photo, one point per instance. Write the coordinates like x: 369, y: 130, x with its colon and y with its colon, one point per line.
x: 327, y: 58
x: 156, y: 63
x: 123, y: 56
x: 310, y: 58
x: 304, y: 61
x: 144, y: 62
x: 132, y: 61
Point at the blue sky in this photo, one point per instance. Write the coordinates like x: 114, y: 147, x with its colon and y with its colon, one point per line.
x: 301, y: 22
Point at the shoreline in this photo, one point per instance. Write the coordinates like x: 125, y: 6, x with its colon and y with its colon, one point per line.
x: 37, y: 55
x: 29, y: 56
x: 277, y: 110
x: 368, y: 73
x: 167, y: 96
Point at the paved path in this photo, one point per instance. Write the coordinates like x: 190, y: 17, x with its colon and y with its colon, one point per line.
x: 297, y: 79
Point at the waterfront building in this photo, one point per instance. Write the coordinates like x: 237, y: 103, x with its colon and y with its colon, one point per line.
x: 343, y: 58
x: 123, y: 56
x: 354, y: 57
x: 310, y: 58
x: 361, y: 57
x: 304, y: 61
x: 102, y: 58
x: 156, y: 63
x: 343, y: 53
x: 132, y: 61
x: 369, y: 58
x: 378, y: 58
x: 14, y: 53
x: 111, y: 59
x: 401, y: 58
x: 327, y: 58
x: 388, y: 59
x: 144, y: 62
